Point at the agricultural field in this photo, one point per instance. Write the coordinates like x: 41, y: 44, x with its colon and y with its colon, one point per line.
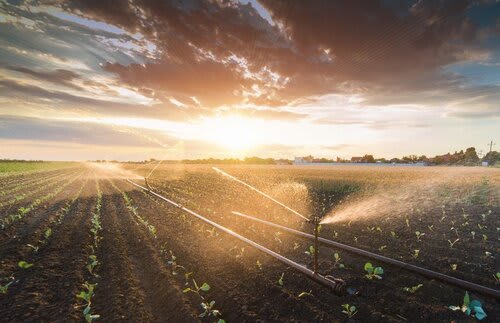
x: 79, y: 242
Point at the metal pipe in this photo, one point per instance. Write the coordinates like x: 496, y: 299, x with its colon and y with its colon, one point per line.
x: 422, y: 271
x: 338, y: 286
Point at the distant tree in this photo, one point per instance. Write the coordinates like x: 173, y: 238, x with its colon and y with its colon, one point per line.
x: 470, y: 156
x: 492, y: 157
x: 368, y: 159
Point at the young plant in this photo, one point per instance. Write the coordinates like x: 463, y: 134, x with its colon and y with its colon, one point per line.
x: 453, y: 267
x: 453, y: 243
x: 412, y: 289
x: 497, y: 277
x: 5, y: 288
x: 337, y: 259
x: 303, y: 294
x: 470, y: 308
x: 92, y: 264
x: 173, y: 262
x: 280, y: 280
x: 419, y: 235
x: 205, y: 288
x: 259, y: 265
x: 208, y: 310
x: 349, y: 310
x: 416, y: 252
x: 373, y: 272
x: 24, y: 265
x: 310, y: 252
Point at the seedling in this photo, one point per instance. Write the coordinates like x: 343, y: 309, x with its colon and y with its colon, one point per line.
x: 497, y: 277
x: 393, y: 234
x: 280, y: 280
x: 86, y: 294
x: 24, y: 265
x: 89, y: 317
x: 453, y: 243
x: 208, y: 310
x: 173, y: 262
x: 485, y: 237
x: 419, y: 235
x: 92, y: 264
x: 416, y: 252
x: 470, y: 308
x: 382, y: 247
x: 337, y: 260
x: 205, y: 288
x: 303, y: 294
x: 310, y: 252
x: 412, y: 289
x: 4, y: 288
x: 296, y: 246
x: 47, y: 233
x: 373, y: 272
x: 473, y: 234
x: 35, y: 248
x: 259, y: 265
x: 453, y: 267
x: 349, y: 310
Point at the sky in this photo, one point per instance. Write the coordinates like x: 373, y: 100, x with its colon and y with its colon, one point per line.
x: 185, y: 79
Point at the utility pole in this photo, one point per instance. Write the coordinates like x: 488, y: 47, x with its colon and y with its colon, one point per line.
x: 491, y: 145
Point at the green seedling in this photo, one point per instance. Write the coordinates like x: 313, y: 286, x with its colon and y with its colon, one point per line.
x: 86, y: 294
x: 259, y: 265
x: 416, y: 252
x: 373, y: 272
x: 5, y: 288
x: 470, y: 308
x: 497, y: 277
x: 412, y: 289
x: 419, y: 235
x: 47, y: 233
x: 208, y: 310
x: 35, y: 248
x: 24, y: 265
x: 303, y: 294
x: 382, y: 247
x: 296, y: 246
x: 310, y: 252
x: 280, y: 280
x: 337, y: 259
x: 92, y: 264
x: 89, y: 317
x: 431, y: 228
x: 349, y: 310
x: 173, y: 262
x: 453, y: 243
x: 485, y: 237
x: 393, y: 234
x: 453, y: 267
x: 204, y: 288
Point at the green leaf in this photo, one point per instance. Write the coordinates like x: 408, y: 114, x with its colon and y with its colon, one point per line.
x: 24, y: 265
x: 466, y: 299
x: 378, y: 271
x: 221, y: 321
x: 205, y: 287
x: 186, y: 290
x: 368, y: 266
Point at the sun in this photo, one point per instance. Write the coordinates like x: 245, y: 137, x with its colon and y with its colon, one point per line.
x: 232, y: 132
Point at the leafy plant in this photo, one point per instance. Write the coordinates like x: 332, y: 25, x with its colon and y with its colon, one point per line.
x: 24, y: 265
x: 349, y: 310
x: 373, y: 272
x: 470, y: 308
x: 412, y: 289
x: 208, y: 310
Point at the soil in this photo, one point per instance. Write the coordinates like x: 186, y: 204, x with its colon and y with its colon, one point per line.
x: 136, y: 282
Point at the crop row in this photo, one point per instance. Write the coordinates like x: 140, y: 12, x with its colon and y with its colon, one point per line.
x: 23, y: 211
x: 86, y: 294
x: 192, y: 287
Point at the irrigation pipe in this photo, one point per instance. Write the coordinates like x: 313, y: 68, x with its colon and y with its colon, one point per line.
x: 422, y: 271
x: 338, y: 286
x: 260, y: 192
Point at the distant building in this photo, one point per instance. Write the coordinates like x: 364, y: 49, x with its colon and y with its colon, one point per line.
x: 484, y: 164
x: 303, y: 160
x: 356, y: 159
